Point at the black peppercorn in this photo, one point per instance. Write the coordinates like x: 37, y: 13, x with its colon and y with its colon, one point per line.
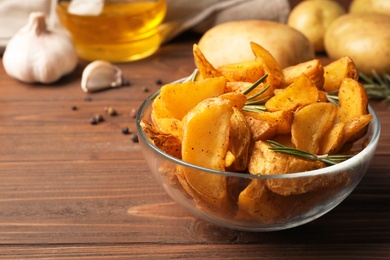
x: 111, y: 111
x: 99, y: 118
x: 125, y: 131
x: 134, y: 138
x: 93, y: 121
x: 159, y: 82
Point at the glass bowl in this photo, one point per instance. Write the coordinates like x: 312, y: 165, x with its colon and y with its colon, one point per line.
x: 261, y: 209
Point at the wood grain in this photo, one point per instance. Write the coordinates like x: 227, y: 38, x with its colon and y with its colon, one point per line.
x: 72, y: 190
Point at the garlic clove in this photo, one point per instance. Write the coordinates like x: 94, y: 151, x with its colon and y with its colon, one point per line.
x: 100, y: 75
x: 36, y: 54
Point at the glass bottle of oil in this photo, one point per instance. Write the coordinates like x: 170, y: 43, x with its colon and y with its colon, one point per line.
x: 113, y: 30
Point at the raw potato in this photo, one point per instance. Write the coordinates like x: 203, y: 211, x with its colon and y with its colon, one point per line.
x: 313, y: 18
x: 227, y: 43
x: 370, y: 6
x: 365, y: 38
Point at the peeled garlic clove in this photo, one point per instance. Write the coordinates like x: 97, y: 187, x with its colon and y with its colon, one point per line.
x: 100, y: 75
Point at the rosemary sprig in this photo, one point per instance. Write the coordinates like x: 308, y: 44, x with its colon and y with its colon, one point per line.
x: 256, y: 105
x: 333, y: 97
x: 260, y: 80
x: 192, y: 77
x: 327, y: 159
x: 377, y: 86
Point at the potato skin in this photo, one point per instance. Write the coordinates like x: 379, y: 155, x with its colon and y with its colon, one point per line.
x: 313, y: 18
x: 365, y: 38
x: 370, y: 6
x: 229, y: 42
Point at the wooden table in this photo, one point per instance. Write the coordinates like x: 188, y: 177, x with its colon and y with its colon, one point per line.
x: 72, y: 190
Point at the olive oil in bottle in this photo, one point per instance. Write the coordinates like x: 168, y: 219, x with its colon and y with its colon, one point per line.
x: 116, y: 30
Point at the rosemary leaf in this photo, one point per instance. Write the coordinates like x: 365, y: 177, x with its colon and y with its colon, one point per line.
x: 192, y: 77
x: 255, y: 102
x: 327, y: 159
x: 377, y: 86
x: 277, y: 147
x: 334, y: 99
x: 260, y: 80
x: 258, y: 94
x: 254, y: 108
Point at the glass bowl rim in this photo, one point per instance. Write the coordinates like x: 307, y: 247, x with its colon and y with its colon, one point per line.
x: 342, y: 166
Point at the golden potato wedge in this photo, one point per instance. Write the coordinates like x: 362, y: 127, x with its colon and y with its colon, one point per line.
x: 306, y: 184
x: 245, y: 71
x: 331, y: 141
x: 239, y: 141
x: 284, y: 139
x: 265, y: 161
x: 322, y: 95
x: 237, y: 99
x: 356, y: 128
x: 291, y: 97
x: 164, y: 120
x: 282, y: 118
x: 205, y: 142
x: 166, y: 142
x: 206, y: 69
x: 310, y: 124
x: 312, y: 68
x: 270, y: 67
x: 336, y: 71
x: 261, y: 129
x: 180, y: 98
x: 238, y: 86
x: 257, y: 203
x: 353, y: 100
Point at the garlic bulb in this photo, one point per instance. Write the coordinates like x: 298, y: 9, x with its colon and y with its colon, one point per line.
x: 36, y: 54
x: 100, y: 75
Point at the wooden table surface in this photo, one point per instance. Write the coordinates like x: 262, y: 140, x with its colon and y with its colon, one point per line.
x: 72, y: 190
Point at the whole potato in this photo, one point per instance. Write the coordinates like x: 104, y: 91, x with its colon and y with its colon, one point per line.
x: 313, y: 18
x: 370, y: 6
x: 229, y: 42
x: 365, y: 38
